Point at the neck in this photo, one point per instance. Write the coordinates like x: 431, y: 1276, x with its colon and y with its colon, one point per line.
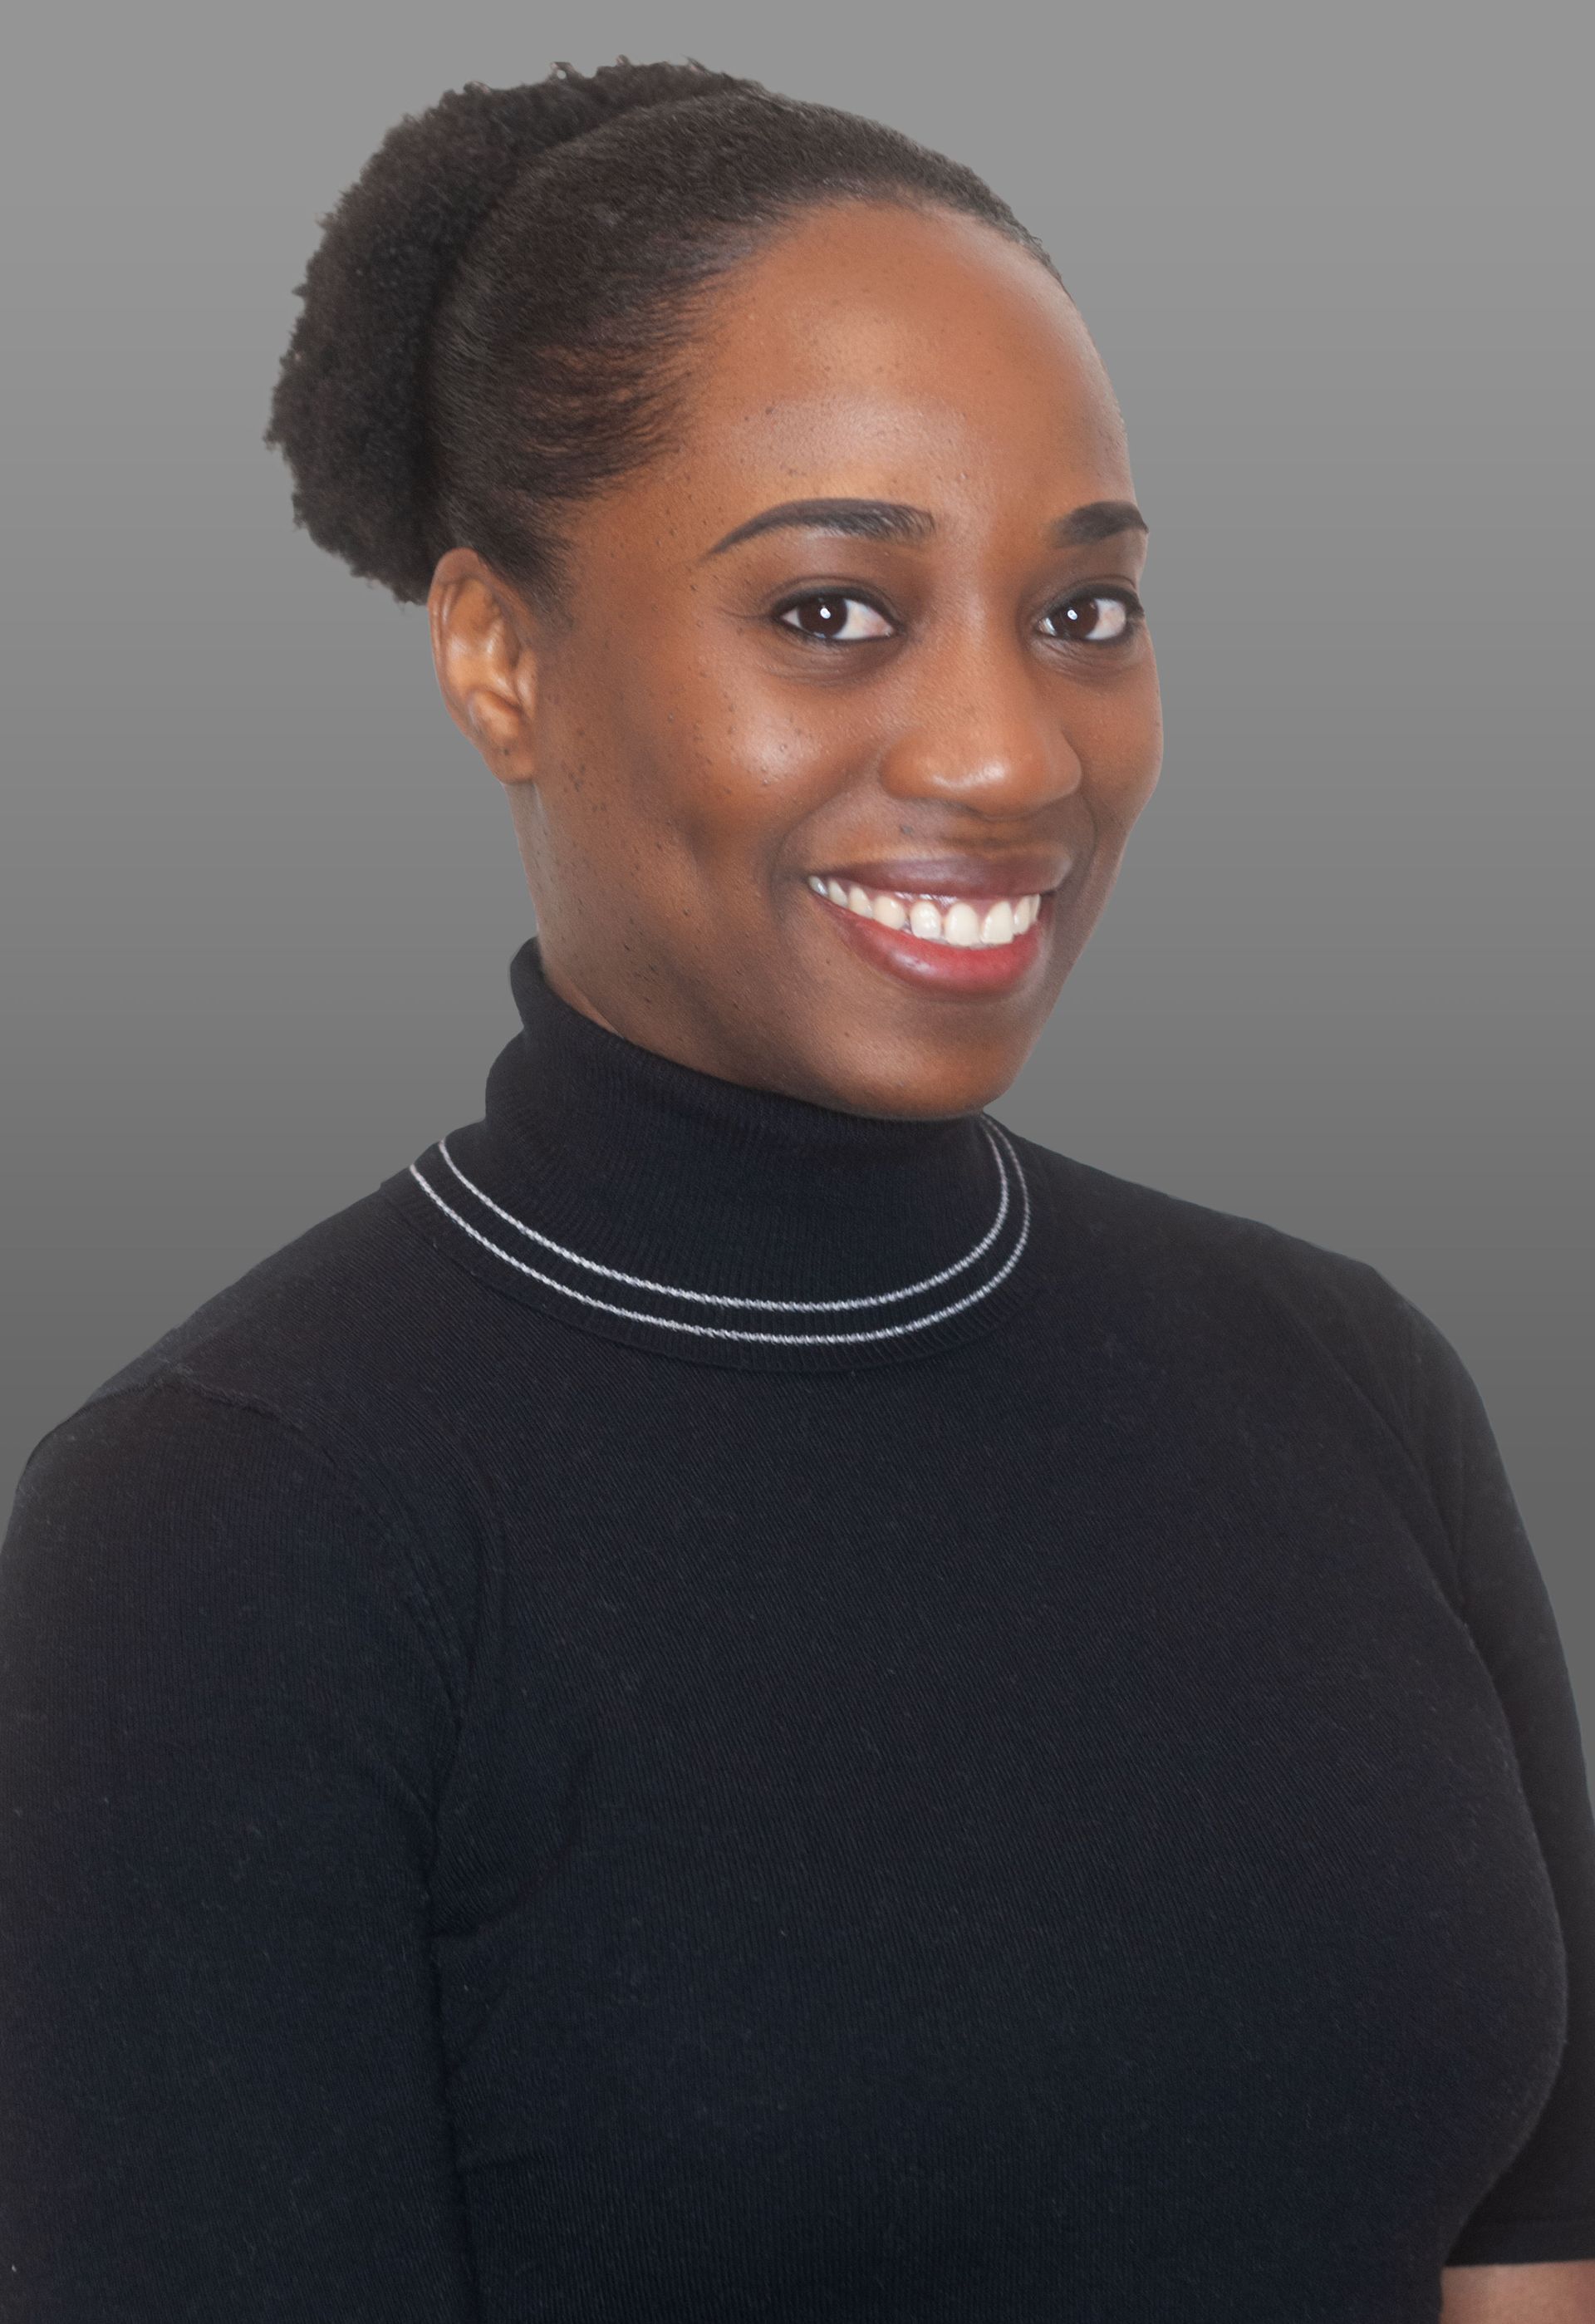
x: 636, y: 1197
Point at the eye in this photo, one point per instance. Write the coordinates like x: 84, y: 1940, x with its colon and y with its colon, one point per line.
x: 827, y: 616
x: 1099, y: 617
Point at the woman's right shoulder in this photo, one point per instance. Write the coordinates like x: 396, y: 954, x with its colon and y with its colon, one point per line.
x: 298, y: 1396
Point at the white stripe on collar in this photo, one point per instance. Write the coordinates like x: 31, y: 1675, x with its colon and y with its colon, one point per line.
x: 716, y: 1299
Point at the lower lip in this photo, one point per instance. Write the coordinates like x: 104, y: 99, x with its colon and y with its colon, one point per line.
x: 940, y: 967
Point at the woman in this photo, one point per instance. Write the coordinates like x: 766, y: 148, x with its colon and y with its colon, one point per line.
x: 741, y: 1692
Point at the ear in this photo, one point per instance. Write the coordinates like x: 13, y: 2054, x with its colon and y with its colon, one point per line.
x: 484, y: 655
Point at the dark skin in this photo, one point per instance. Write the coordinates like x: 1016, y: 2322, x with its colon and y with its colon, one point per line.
x: 678, y: 758
x: 676, y: 761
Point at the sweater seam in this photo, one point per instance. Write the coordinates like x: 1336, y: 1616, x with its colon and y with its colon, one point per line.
x: 1456, y: 1533
x: 349, y: 1472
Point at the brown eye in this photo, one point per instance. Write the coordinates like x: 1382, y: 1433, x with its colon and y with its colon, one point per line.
x: 1100, y: 617
x: 827, y: 615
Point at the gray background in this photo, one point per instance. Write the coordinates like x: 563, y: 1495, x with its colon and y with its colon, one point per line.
x: 258, y: 901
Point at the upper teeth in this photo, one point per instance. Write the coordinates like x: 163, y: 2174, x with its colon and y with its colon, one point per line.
x: 960, y: 924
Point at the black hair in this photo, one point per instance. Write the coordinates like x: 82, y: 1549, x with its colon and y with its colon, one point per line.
x: 497, y: 316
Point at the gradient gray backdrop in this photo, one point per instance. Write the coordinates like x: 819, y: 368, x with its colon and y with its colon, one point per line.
x: 258, y: 900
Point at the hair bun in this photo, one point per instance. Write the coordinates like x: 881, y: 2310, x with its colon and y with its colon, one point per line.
x: 349, y: 411
x: 501, y: 317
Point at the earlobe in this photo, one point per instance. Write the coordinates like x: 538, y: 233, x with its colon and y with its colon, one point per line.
x: 484, y: 661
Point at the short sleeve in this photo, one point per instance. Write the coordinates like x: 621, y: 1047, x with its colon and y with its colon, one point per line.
x: 222, y: 1726
x: 1542, y: 2206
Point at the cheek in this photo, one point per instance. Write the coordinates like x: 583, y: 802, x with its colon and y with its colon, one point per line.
x: 732, y: 760
x: 1119, y: 736
x: 626, y: 726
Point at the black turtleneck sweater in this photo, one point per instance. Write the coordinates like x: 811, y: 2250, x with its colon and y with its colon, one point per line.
x: 703, y: 1708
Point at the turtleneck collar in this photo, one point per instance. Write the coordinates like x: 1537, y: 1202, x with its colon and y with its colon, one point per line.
x: 630, y: 1195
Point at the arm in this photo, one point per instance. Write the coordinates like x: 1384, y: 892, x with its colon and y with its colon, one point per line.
x: 1526, y: 2254
x: 1551, y: 2292
x: 222, y: 1725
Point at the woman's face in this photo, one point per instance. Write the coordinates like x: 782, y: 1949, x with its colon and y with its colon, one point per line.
x: 945, y: 698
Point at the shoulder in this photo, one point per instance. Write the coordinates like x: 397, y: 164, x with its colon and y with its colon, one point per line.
x: 310, y: 1382
x: 330, y: 1306
x: 1205, y: 1281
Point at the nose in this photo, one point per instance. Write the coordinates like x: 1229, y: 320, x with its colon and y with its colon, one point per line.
x: 982, y: 727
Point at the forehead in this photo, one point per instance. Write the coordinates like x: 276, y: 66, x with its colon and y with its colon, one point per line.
x: 882, y: 346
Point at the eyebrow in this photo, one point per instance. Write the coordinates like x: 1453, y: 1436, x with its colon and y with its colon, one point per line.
x: 1096, y: 521
x: 860, y: 519
x: 897, y: 521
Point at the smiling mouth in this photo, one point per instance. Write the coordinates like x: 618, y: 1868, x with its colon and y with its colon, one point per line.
x: 973, y: 923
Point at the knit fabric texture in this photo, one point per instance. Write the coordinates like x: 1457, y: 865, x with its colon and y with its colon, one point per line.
x: 704, y: 1708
